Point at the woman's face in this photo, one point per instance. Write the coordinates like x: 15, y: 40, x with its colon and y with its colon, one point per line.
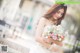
x: 58, y: 14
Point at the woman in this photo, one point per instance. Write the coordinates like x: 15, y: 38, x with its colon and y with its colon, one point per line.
x: 53, y: 17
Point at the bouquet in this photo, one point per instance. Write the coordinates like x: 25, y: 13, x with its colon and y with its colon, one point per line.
x: 54, y: 32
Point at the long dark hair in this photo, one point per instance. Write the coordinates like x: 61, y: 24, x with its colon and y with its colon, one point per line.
x: 53, y: 10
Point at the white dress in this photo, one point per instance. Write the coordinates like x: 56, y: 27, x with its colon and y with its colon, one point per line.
x: 38, y: 48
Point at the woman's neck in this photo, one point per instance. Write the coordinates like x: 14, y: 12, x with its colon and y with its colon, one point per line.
x: 53, y: 21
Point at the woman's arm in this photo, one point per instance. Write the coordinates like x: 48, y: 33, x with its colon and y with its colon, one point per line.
x: 39, y: 32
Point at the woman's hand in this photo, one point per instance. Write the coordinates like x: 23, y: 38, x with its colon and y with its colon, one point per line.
x: 49, y: 40
x: 58, y: 42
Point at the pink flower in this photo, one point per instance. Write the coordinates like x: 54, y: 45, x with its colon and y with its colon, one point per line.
x: 62, y: 37
x: 54, y: 36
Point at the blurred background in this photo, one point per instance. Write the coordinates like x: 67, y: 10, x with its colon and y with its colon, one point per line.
x: 18, y: 20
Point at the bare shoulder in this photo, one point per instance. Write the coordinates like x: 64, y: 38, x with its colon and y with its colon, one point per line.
x: 43, y: 19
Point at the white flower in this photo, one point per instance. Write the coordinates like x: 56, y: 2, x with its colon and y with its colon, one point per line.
x: 60, y: 39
